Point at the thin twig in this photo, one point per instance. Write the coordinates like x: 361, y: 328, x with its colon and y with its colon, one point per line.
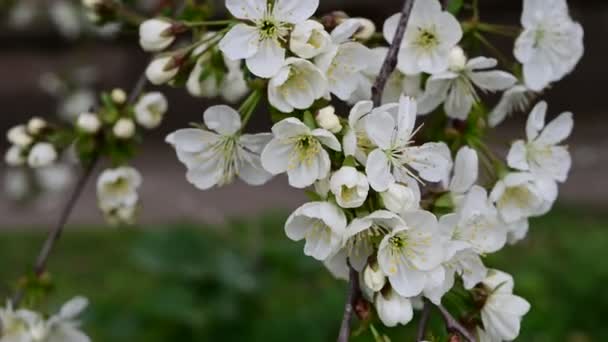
x: 424, y: 321
x: 55, y: 233
x: 392, y: 56
x: 453, y: 326
x: 351, y: 298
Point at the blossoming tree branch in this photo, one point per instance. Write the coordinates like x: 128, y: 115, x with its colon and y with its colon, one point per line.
x: 406, y: 197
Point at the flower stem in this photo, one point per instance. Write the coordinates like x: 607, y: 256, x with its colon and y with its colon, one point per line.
x: 249, y: 106
x: 353, y: 293
x: 208, y: 23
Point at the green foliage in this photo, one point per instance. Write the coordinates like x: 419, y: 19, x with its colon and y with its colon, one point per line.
x: 246, y: 281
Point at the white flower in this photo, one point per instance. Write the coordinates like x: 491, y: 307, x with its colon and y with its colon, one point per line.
x: 155, y: 34
x: 392, y: 131
x: 366, y: 30
x: 394, y: 309
x: 309, y: 39
x: 298, y: 150
x: 337, y: 266
x: 407, y: 255
x: 362, y: 234
x: 260, y: 44
x: 514, y: 99
x: 216, y: 155
x: 327, y: 119
x: 14, y: 156
x: 118, y: 96
x: 429, y: 36
x: 517, y: 231
x: 296, y: 85
x: 161, y: 70
x: 344, y: 61
x: 502, y: 312
x: 81, y: 100
x: 322, y: 224
x: 15, y: 324
x: 150, y: 109
x: 88, y: 122
x: 36, y: 125
x: 356, y: 142
x: 400, y: 198
x: 63, y: 326
x: 521, y: 195
x: 373, y: 277
x: 124, y: 128
x: 466, y: 171
x: 42, y: 154
x: 550, y: 45
x: 476, y: 223
x: 541, y: 154
x: 400, y: 84
x: 210, y: 79
x: 121, y: 215
x: 456, y: 87
x: 19, y: 136
x: 118, y: 187
x: 349, y: 186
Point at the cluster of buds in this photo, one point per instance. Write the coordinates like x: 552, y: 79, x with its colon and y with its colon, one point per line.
x: 32, y: 144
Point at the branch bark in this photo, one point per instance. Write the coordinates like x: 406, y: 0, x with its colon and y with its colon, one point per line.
x: 424, y: 321
x: 454, y: 326
x: 393, y: 53
x: 351, y: 298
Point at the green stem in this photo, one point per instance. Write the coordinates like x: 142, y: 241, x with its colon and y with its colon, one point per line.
x: 503, y: 30
x: 475, y: 6
x: 501, y: 57
x: 208, y: 23
x: 249, y: 106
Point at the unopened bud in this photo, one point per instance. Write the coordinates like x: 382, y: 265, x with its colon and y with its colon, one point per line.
x: 18, y: 136
x: 374, y: 278
x: 118, y: 96
x: 89, y: 122
x: 14, y: 156
x: 36, y: 125
x: 366, y: 30
x: 156, y: 34
x: 42, y: 154
x: 162, y: 70
x: 326, y: 118
x: 124, y: 128
x: 457, y: 60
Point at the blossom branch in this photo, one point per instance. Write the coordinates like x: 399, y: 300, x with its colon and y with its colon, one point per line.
x: 454, y: 326
x: 392, y: 56
x: 424, y: 320
x: 351, y: 298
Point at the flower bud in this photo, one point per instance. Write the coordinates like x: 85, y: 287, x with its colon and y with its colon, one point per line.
x: 155, y: 35
x: 18, y: 136
x: 162, y: 70
x: 91, y: 3
x: 399, y: 198
x: 36, y: 125
x: 393, y: 309
x: 366, y: 30
x: 326, y: 118
x: 14, y: 156
x: 118, y: 96
x: 89, y: 122
x: 124, y: 128
x: 457, y: 60
x: 309, y: 39
x: 374, y: 278
x: 150, y: 109
x: 42, y: 154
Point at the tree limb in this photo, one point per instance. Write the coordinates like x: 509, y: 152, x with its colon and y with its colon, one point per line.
x: 454, y: 326
x: 392, y: 56
x: 424, y: 321
x: 351, y: 298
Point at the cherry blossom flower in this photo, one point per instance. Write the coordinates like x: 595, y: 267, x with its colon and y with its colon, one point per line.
x: 393, y: 309
x: 150, y: 109
x: 349, y: 186
x: 296, y: 86
x: 260, y: 41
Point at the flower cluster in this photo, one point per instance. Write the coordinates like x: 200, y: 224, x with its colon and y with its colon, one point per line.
x: 405, y: 192
x: 24, y: 325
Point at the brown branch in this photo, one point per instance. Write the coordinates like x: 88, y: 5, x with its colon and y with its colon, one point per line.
x: 351, y: 298
x: 453, y: 326
x: 393, y: 54
x: 55, y: 233
x: 424, y: 321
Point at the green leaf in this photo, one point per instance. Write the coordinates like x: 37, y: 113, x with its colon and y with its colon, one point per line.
x: 454, y: 6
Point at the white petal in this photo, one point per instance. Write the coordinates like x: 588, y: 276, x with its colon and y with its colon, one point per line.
x: 294, y: 11
x: 289, y: 127
x: 459, y: 101
x: 378, y: 170
x: 327, y: 138
x: 268, y: 59
x: 345, y: 31
x: 466, y: 170
x: 390, y: 27
x: 247, y: 9
x: 275, y: 156
x: 493, y: 80
x: 431, y: 160
x: 517, y: 157
x: 557, y: 130
x: 380, y: 127
x: 394, y: 309
x: 222, y: 119
x: 536, y: 120
x: 241, y: 42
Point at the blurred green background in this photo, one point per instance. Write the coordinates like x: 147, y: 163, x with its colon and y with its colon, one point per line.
x: 245, y: 281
